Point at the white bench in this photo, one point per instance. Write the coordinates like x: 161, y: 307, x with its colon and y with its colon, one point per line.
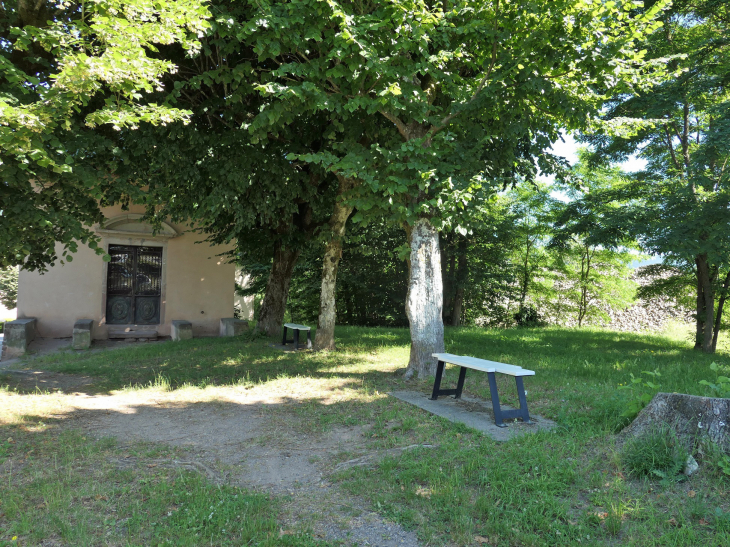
x: 297, y: 329
x: 490, y: 367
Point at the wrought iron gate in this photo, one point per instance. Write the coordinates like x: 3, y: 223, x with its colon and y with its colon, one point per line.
x: 133, y: 286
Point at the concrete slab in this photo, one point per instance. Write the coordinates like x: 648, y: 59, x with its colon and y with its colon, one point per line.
x: 290, y: 347
x: 475, y: 413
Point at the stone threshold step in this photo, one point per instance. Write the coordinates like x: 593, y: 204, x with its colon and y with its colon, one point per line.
x: 133, y: 332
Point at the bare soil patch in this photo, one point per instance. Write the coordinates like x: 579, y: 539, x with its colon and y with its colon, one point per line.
x: 237, y: 436
x: 256, y: 446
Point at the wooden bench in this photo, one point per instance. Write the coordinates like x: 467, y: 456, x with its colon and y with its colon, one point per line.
x: 297, y: 329
x: 490, y: 367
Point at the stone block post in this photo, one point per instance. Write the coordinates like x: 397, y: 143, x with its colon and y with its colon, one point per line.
x: 181, y: 330
x: 18, y: 334
x: 82, y: 334
x: 230, y: 326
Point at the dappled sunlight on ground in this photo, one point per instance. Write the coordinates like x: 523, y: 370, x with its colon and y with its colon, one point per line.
x: 14, y: 406
x: 317, y: 430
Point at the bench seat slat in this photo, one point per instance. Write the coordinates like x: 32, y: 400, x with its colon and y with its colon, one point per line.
x: 483, y: 364
x: 295, y: 326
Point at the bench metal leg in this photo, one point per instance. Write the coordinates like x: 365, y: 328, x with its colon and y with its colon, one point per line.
x: 309, y: 339
x: 283, y: 338
x: 296, y: 339
x: 437, y: 381
x: 501, y: 415
x: 460, y: 384
x: 523, y: 399
x: 495, y: 400
x: 437, y: 391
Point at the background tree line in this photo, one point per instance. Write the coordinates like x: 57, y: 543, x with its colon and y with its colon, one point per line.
x: 506, y: 270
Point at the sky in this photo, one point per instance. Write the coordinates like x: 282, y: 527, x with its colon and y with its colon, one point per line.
x: 569, y: 149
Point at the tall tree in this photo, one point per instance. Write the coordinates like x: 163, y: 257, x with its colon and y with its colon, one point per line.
x: 533, y: 209
x: 68, y: 67
x: 371, y: 279
x: 477, y: 271
x: 682, y: 129
x: 472, y: 93
x: 9, y: 287
x: 234, y: 191
x: 594, y: 248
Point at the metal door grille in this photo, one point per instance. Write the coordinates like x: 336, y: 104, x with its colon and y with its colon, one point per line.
x: 134, y: 283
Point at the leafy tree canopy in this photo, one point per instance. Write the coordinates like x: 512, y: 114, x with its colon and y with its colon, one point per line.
x: 473, y: 92
x: 68, y: 67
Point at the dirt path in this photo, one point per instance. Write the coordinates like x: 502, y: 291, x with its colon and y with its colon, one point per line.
x: 240, y: 437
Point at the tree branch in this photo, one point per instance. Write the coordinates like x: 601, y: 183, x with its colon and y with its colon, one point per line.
x: 685, y: 134
x: 444, y: 122
x: 402, y: 128
x: 671, y: 149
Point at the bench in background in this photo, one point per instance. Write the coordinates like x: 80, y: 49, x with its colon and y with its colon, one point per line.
x: 297, y: 329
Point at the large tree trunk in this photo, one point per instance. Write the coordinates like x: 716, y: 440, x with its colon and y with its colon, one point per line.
x: 707, y: 318
x: 271, y: 315
x: 425, y: 298
x: 524, y: 285
x: 325, y: 335
x: 585, y: 271
x: 448, y: 268
x: 699, y: 308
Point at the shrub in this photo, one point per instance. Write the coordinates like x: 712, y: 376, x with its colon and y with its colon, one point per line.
x: 528, y: 317
x: 722, y: 386
x: 641, y: 391
x: 656, y: 453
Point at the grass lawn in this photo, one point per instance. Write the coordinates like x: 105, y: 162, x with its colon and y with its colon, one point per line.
x: 565, y: 487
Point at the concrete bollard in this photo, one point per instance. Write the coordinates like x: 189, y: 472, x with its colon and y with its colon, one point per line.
x: 82, y: 334
x: 230, y: 326
x: 18, y: 334
x: 181, y: 330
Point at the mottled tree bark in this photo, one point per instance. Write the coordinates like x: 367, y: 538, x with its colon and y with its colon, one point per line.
x: 707, y: 318
x: 271, y: 315
x: 325, y: 335
x: 425, y: 298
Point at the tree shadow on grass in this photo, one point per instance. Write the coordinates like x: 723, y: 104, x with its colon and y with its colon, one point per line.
x: 199, y: 363
x: 369, y: 355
